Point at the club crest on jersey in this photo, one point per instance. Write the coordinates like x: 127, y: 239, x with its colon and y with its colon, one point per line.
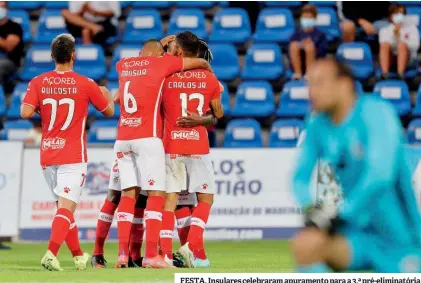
x: 53, y: 143
x: 185, y: 135
x: 130, y: 122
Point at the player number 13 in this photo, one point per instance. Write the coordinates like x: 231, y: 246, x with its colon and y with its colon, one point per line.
x: 184, y: 97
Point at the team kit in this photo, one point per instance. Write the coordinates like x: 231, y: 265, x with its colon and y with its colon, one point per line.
x: 162, y: 177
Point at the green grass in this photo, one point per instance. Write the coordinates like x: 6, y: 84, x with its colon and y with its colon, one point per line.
x: 22, y: 263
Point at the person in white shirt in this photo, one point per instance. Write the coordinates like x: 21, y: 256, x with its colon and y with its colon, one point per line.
x: 94, y: 21
x: 399, y: 42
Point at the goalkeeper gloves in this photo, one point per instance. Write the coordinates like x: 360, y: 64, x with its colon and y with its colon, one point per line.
x: 322, y: 216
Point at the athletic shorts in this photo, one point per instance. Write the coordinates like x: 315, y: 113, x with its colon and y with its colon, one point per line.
x: 141, y: 163
x: 370, y: 252
x: 184, y: 197
x: 196, y: 169
x: 66, y: 181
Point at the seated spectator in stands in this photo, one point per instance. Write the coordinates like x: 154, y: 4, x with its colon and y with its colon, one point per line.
x: 369, y: 15
x: 399, y: 42
x: 35, y: 134
x: 11, y: 45
x: 308, y: 42
x: 94, y: 21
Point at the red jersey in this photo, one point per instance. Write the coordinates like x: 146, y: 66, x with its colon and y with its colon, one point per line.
x: 140, y: 86
x: 62, y: 99
x: 187, y: 91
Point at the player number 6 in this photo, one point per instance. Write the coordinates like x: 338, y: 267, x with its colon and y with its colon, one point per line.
x: 127, y: 96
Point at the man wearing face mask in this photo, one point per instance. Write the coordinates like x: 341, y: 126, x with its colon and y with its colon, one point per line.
x: 399, y: 42
x: 307, y: 43
x: 11, y: 45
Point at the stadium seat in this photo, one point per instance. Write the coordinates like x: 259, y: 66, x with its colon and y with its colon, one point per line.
x: 143, y: 25
x: 397, y: 93
x: 194, y: 4
x: 2, y: 102
x: 327, y: 21
x: 21, y: 17
x: 24, y: 5
x: 188, y: 19
x: 263, y: 62
x: 243, y: 133
x: 15, y: 130
x: 51, y: 24
x: 103, y: 131
x: 225, y: 100
x: 16, y: 100
x: 113, y: 88
x: 37, y: 60
x: 122, y: 51
x: 283, y: 3
x: 274, y: 25
x: 294, y: 100
x: 285, y: 133
x: 417, y: 110
x: 414, y: 132
x: 323, y: 3
x: 225, y: 63
x: 357, y: 55
x: 90, y: 61
x: 407, y: 3
x: 254, y: 99
x: 413, y: 15
x: 231, y: 25
x: 151, y: 4
x: 56, y: 5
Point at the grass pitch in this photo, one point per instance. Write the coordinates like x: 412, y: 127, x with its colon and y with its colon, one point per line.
x: 22, y: 263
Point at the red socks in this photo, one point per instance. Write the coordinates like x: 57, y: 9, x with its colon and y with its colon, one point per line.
x: 72, y: 240
x: 166, y: 234
x: 136, y: 238
x: 124, y: 223
x: 153, y: 222
x: 197, y: 227
x: 60, y: 229
x: 105, y: 219
x: 183, y: 223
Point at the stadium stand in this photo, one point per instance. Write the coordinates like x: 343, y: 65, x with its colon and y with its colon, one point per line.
x: 397, y: 93
x: 103, y: 131
x: 151, y: 4
x: 15, y: 130
x: 417, y: 110
x: 358, y: 57
x: 243, y: 133
x: 414, y: 132
x: 2, y: 102
x: 24, y: 5
x: 51, y: 24
x: 113, y: 88
x: 263, y: 61
x: 254, y: 99
x: 21, y: 17
x: 327, y: 21
x: 285, y: 133
x: 142, y: 25
x: 90, y: 61
x: 37, y: 60
x: 274, y: 25
x: 323, y: 3
x: 283, y: 3
x: 225, y: 99
x: 294, y: 100
x: 231, y: 25
x: 56, y: 5
x: 122, y: 51
x: 194, y: 4
x: 188, y: 19
x: 18, y: 93
x: 225, y: 63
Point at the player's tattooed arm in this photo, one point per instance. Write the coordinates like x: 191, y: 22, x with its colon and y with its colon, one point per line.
x: 193, y: 120
x: 217, y: 108
x: 196, y: 63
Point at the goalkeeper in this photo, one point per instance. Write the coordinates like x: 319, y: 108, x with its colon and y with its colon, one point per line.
x: 378, y: 226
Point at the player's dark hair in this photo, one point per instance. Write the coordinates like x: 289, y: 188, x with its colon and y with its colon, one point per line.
x: 395, y: 8
x: 309, y: 8
x: 204, y: 51
x: 188, y: 42
x: 62, y: 48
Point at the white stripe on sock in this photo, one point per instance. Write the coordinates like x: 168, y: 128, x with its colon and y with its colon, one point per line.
x: 105, y: 217
x: 124, y: 216
x: 72, y: 225
x: 166, y: 234
x: 150, y: 214
x: 197, y: 222
x: 183, y: 222
x: 64, y: 217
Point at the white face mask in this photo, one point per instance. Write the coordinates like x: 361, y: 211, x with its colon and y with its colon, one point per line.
x: 398, y: 18
x: 3, y: 13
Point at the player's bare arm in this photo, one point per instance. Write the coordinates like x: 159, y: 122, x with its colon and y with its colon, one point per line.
x: 27, y: 111
x: 193, y: 120
x: 109, y: 111
x: 217, y: 108
x: 116, y: 98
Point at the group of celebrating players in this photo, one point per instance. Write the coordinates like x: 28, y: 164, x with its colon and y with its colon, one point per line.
x: 167, y: 98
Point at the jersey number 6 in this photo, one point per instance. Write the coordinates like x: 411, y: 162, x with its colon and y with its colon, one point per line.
x: 127, y: 98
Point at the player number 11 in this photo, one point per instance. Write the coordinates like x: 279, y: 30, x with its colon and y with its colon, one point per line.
x: 184, y: 100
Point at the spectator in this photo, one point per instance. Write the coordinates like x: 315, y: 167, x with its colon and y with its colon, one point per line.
x: 35, y: 134
x: 11, y: 45
x: 308, y: 42
x: 94, y: 21
x: 369, y: 15
x: 399, y: 42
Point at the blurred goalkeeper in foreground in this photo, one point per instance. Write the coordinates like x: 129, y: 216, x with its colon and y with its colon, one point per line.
x: 378, y: 226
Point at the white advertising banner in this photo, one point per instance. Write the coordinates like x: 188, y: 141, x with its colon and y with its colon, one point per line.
x: 253, y: 195
x: 10, y: 170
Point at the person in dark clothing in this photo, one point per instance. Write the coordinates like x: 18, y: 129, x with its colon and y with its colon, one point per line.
x: 371, y: 16
x: 11, y: 45
x: 307, y: 41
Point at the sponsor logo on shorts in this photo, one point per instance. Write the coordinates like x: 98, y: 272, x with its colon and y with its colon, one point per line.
x: 53, y: 143
x: 121, y: 154
x: 205, y: 186
x: 131, y: 122
x: 67, y: 190
x: 185, y: 135
x: 151, y: 182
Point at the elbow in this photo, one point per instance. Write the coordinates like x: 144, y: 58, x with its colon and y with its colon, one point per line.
x: 26, y: 115
x: 109, y: 112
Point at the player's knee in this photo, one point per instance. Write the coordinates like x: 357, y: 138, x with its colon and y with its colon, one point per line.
x: 171, y: 201
x: 308, y: 246
x: 114, y: 196
x: 131, y: 192
x: 208, y: 198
